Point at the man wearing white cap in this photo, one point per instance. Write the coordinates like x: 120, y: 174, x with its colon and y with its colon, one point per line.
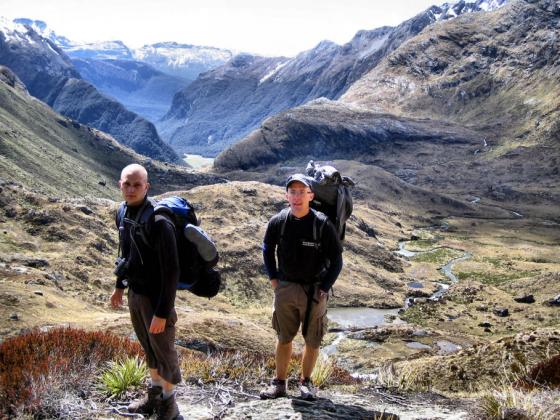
x: 309, y: 254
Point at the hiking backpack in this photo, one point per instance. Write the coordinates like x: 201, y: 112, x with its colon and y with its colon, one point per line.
x: 331, y: 194
x: 197, y: 252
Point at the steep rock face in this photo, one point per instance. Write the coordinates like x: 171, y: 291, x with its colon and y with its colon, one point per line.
x: 48, y: 152
x: 50, y: 76
x: 206, y: 124
x: 495, y: 71
x: 213, y: 95
x: 138, y: 86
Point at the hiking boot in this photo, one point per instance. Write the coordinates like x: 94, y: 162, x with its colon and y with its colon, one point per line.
x: 276, y: 389
x: 307, y: 390
x: 168, y: 409
x: 149, y: 404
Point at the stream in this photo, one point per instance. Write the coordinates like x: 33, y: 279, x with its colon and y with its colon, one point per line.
x: 361, y: 318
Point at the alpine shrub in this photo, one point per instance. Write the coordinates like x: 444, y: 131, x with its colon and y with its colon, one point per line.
x: 37, y: 364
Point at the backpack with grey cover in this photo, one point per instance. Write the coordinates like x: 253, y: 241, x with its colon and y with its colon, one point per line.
x: 331, y: 194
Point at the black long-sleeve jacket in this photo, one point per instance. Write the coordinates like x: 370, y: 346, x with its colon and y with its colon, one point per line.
x: 153, y: 268
x: 301, y: 257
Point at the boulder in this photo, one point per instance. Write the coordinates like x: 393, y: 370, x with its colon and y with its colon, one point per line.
x: 85, y: 210
x: 501, y: 312
x: 525, y: 299
x: 555, y: 301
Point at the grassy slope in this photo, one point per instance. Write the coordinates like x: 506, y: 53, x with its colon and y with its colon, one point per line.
x: 53, y: 154
x: 491, y: 71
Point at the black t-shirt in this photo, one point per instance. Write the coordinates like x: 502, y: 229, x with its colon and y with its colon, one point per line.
x: 153, y: 268
x: 301, y: 256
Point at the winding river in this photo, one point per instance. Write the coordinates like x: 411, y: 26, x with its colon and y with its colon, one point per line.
x: 347, y: 318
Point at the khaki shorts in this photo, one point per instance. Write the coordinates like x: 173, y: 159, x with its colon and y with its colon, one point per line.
x: 290, y: 302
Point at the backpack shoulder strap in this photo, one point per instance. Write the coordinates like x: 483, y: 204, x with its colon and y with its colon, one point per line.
x: 119, y: 221
x: 284, y: 214
x: 318, y: 225
x: 143, y: 219
x: 119, y: 215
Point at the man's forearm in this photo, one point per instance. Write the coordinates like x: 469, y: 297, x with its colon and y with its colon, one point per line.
x: 270, y: 261
x: 332, y: 273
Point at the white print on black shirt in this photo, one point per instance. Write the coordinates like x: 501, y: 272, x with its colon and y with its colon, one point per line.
x: 310, y: 244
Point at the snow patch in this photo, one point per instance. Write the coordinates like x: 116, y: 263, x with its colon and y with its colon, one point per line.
x: 374, y: 46
x: 273, y: 71
x: 12, y: 31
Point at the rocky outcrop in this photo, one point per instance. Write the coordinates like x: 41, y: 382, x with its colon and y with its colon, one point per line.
x: 297, y: 408
x: 486, y: 70
x: 9, y: 78
x: 330, y: 130
x: 50, y: 76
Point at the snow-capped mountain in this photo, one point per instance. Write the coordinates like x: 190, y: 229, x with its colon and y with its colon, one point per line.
x: 451, y: 10
x: 106, y: 50
x: 42, y: 29
x: 32, y: 51
x: 183, y: 60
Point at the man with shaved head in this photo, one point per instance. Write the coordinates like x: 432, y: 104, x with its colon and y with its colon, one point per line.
x: 148, y: 264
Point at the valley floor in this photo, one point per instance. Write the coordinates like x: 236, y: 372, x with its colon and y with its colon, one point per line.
x: 56, y: 265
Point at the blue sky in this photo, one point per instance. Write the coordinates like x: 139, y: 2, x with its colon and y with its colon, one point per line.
x: 264, y: 27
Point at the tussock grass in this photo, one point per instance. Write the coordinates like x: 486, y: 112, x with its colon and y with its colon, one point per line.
x: 502, y: 403
x: 242, y: 368
x: 122, y: 375
x: 408, y: 379
x: 324, y: 369
x: 250, y: 370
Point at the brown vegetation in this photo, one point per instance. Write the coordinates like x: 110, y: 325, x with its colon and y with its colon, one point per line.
x: 37, y: 366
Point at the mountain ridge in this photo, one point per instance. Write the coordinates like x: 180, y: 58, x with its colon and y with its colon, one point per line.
x: 324, y: 71
x: 50, y: 76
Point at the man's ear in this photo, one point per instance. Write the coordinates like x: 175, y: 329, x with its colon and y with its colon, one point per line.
x: 119, y: 184
x: 311, y: 196
x: 147, y: 186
